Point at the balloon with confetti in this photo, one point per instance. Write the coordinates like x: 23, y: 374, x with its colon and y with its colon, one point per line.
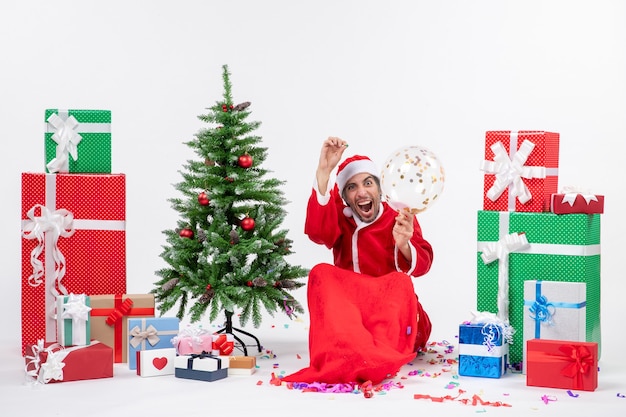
x: 412, y: 178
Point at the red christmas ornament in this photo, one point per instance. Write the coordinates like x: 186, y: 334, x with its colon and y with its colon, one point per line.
x: 249, y: 284
x: 203, y: 199
x: 208, y: 287
x: 229, y: 179
x: 186, y: 233
x: 224, y: 108
x: 247, y: 223
x: 245, y: 161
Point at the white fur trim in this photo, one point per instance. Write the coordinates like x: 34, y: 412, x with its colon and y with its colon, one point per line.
x: 353, y: 168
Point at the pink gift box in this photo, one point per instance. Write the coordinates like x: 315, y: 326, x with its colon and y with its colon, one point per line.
x: 193, y: 341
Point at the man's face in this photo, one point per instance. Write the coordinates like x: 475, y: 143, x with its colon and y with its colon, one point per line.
x: 362, y: 194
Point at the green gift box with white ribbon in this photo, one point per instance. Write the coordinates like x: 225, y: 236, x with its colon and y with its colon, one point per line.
x: 78, y: 141
x: 514, y: 247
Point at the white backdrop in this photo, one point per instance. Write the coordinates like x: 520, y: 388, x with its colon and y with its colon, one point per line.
x: 378, y: 74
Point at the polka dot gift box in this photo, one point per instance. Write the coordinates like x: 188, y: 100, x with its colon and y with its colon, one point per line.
x: 78, y: 141
x: 73, y: 241
x: 564, y: 248
x: 521, y: 170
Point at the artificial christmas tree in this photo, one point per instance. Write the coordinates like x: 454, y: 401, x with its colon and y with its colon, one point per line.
x: 228, y: 251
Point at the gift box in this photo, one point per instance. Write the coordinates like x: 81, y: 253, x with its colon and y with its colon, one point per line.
x: 224, y: 343
x: 521, y: 170
x: 241, y: 365
x: 109, y: 319
x: 554, y: 310
x: 202, y: 367
x: 574, y: 201
x: 68, y: 221
x: 157, y: 362
x: 483, y: 351
x: 564, y: 248
x: 73, y: 323
x: 562, y: 364
x: 193, y: 339
x: 149, y: 334
x: 50, y: 362
x: 78, y: 141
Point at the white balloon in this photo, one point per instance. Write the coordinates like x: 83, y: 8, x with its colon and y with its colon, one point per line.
x: 412, y: 178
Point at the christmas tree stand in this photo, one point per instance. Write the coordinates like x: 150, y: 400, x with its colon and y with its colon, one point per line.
x: 228, y: 328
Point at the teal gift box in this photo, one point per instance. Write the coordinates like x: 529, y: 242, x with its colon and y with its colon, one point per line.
x: 148, y: 334
x: 483, y: 351
x: 562, y: 248
x: 73, y: 320
x: 78, y: 141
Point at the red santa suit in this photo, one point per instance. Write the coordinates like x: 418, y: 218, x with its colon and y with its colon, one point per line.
x: 366, y: 320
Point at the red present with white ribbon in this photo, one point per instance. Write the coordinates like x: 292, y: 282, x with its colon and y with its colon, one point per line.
x: 51, y: 362
x: 576, y: 200
x: 521, y: 170
x: 68, y: 222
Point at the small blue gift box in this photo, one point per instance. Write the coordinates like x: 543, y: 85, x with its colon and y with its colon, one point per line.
x: 483, y: 350
x: 148, y: 334
x: 202, y: 367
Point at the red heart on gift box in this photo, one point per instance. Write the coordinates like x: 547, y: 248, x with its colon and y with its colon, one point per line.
x: 159, y: 363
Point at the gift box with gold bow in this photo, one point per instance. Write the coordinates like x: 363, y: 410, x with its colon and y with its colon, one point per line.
x: 148, y: 334
x: 68, y: 222
x: 78, y: 141
x: 51, y: 362
x: 521, y: 170
x: 562, y: 364
x: 109, y: 319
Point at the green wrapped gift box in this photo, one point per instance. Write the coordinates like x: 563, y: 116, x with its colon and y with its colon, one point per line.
x: 78, y: 141
x: 560, y: 248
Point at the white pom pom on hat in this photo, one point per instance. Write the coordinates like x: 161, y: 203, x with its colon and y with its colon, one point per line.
x: 356, y: 164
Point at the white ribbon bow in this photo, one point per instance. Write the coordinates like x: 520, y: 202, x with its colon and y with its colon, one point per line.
x: 510, y: 171
x: 487, y: 318
x: 193, y: 334
x: 500, y: 250
x: 570, y: 193
x: 52, y: 368
x: 76, y: 309
x: 67, y: 139
x: 58, y: 223
x: 150, y: 334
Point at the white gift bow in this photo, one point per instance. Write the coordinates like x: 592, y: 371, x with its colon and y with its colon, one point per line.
x: 193, y: 333
x: 58, y: 223
x: 67, y: 139
x: 52, y: 368
x: 570, y: 193
x: 150, y: 334
x: 488, y: 318
x: 500, y: 250
x: 509, y: 172
x: 76, y: 308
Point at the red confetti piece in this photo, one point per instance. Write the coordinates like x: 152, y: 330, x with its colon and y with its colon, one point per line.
x: 298, y: 356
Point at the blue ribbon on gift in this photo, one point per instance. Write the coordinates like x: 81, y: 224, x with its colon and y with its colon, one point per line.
x: 542, y: 310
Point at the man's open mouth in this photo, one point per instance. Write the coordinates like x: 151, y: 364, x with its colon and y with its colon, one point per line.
x: 365, y: 206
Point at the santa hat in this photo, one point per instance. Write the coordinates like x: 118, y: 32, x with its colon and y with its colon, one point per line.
x: 356, y: 164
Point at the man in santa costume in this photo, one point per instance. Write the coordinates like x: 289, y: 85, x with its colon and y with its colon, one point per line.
x: 366, y: 320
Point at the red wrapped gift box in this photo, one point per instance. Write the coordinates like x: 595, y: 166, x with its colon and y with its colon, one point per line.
x: 521, y: 170
x: 74, y: 240
x: 570, y: 203
x: 562, y: 364
x: 49, y: 362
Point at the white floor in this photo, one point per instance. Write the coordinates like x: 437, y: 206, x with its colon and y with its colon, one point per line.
x: 284, y: 351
